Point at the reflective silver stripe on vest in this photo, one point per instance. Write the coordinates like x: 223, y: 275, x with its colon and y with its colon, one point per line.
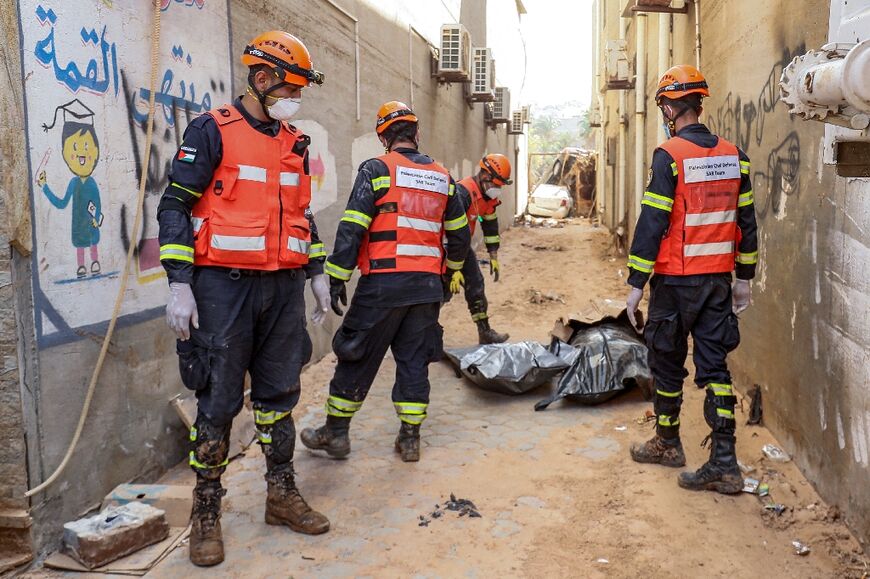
x: 419, y: 224
x: 291, y: 179
x: 297, y: 245
x: 197, y: 223
x: 696, y: 219
x: 251, y: 173
x: 418, y: 250
x: 236, y: 243
x: 698, y: 249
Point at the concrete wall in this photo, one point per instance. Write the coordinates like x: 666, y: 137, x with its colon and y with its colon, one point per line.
x: 805, y: 338
x: 98, y: 55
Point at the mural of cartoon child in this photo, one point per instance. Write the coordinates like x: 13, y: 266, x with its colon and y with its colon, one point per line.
x: 81, y: 152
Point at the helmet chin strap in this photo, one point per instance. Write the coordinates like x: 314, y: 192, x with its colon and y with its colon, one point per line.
x: 672, y: 122
x: 261, y: 97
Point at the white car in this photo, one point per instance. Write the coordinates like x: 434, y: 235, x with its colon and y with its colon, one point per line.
x: 550, y: 201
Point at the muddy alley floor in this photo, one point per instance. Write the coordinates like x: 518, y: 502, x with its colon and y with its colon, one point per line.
x: 557, y: 493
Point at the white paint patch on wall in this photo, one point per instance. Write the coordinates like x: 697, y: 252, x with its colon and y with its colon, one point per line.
x: 793, y: 318
x: 363, y: 148
x: 841, y: 435
x: 321, y: 165
x: 823, y: 419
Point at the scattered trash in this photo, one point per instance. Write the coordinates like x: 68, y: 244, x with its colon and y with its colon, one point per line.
x: 507, y: 368
x: 549, y: 222
x: 800, y: 548
x: 611, y: 359
x: 755, y: 410
x: 763, y: 490
x: 462, y: 506
x: 307, y: 558
x: 602, y: 560
x: 775, y: 507
x: 539, y: 297
x: 543, y: 247
x: 174, y: 500
x: 648, y: 416
x: 750, y: 485
x: 113, y: 533
x: 775, y: 453
x: 621, y: 428
x: 745, y: 468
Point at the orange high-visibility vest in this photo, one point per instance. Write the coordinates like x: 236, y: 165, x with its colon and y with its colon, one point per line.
x: 703, y: 233
x: 252, y: 215
x: 480, y: 205
x: 405, y: 235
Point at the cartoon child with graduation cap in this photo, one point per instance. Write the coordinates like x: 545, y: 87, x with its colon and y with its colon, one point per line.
x: 81, y: 151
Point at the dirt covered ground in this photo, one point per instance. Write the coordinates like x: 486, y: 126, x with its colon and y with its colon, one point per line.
x: 556, y: 490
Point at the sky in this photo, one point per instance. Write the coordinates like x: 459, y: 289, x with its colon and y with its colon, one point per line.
x: 558, y: 40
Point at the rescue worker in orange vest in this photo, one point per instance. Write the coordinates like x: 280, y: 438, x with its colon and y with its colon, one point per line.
x: 238, y: 240
x: 480, y: 194
x: 402, y: 206
x: 697, y: 225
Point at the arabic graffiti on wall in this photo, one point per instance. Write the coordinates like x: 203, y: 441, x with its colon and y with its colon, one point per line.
x: 87, y: 95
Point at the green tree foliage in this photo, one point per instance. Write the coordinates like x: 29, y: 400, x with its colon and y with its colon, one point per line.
x: 551, y: 131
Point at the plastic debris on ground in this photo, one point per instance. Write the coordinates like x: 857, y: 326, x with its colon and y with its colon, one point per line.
x: 464, y: 507
x: 539, y: 297
x: 756, y: 411
x: 507, y: 368
x: 775, y: 453
x: 609, y: 358
x: 800, y: 548
x: 750, y: 485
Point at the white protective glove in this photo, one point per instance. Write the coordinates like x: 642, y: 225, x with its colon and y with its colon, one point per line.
x: 320, y: 288
x: 631, y: 305
x: 181, y: 310
x: 741, y: 295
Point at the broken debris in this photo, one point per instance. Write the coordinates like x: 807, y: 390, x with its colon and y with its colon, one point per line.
x: 756, y: 412
x: 464, y: 507
x: 775, y: 453
x: 800, y: 548
x: 113, y: 533
x: 538, y: 297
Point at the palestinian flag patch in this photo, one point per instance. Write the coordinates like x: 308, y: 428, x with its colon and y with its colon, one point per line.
x: 187, y: 154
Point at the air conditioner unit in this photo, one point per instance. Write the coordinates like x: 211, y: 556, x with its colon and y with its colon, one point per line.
x: 527, y: 114
x: 516, y: 125
x: 454, y: 63
x: 501, y: 106
x: 483, y: 76
x: 616, y: 65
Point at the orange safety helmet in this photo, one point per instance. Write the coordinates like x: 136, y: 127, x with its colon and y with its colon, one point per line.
x: 391, y: 112
x: 680, y: 81
x: 498, y: 167
x: 287, y: 56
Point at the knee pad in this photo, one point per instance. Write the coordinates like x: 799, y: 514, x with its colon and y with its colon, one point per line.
x: 276, y: 433
x: 209, y: 448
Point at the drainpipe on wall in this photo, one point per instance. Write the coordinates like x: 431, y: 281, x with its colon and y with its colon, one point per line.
x: 697, y: 34
x: 600, y: 134
x: 664, y: 57
x: 620, y: 216
x: 355, y: 21
x: 640, y: 110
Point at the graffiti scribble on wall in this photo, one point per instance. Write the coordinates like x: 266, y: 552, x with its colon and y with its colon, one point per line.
x: 742, y: 121
x: 87, y: 99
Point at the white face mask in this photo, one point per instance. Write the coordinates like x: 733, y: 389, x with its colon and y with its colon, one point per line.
x: 284, y: 109
x: 493, y: 192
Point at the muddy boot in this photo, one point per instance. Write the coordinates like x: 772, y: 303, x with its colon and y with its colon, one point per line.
x: 206, y: 542
x: 720, y: 473
x: 487, y: 335
x: 285, y: 506
x: 658, y: 450
x: 408, y: 442
x: 332, y: 437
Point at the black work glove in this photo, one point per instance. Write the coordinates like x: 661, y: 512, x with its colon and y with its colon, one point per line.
x: 337, y: 292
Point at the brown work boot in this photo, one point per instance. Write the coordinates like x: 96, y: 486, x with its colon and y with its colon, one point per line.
x: 206, y: 542
x: 408, y: 442
x: 658, y: 450
x: 720, y: 474
x: 486, y: 335
x: 285, y: 506
x: 335, y: 441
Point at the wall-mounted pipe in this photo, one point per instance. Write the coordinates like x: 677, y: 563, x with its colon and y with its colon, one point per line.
x: 640, y: 110
x: 622, y: 149
x: 664, y: 57
x: 697, y: 34
x: 355, y: 21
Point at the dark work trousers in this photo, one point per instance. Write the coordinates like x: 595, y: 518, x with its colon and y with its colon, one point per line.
x: 475, y: 289
x: 700, y: 306
x: 415, y: 337
x: 247, y: 323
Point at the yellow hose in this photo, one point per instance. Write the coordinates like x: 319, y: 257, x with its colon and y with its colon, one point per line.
x: 119, y: 299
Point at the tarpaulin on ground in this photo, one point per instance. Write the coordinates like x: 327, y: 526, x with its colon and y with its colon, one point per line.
x: 507, y: 368
x: 607, y: 357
